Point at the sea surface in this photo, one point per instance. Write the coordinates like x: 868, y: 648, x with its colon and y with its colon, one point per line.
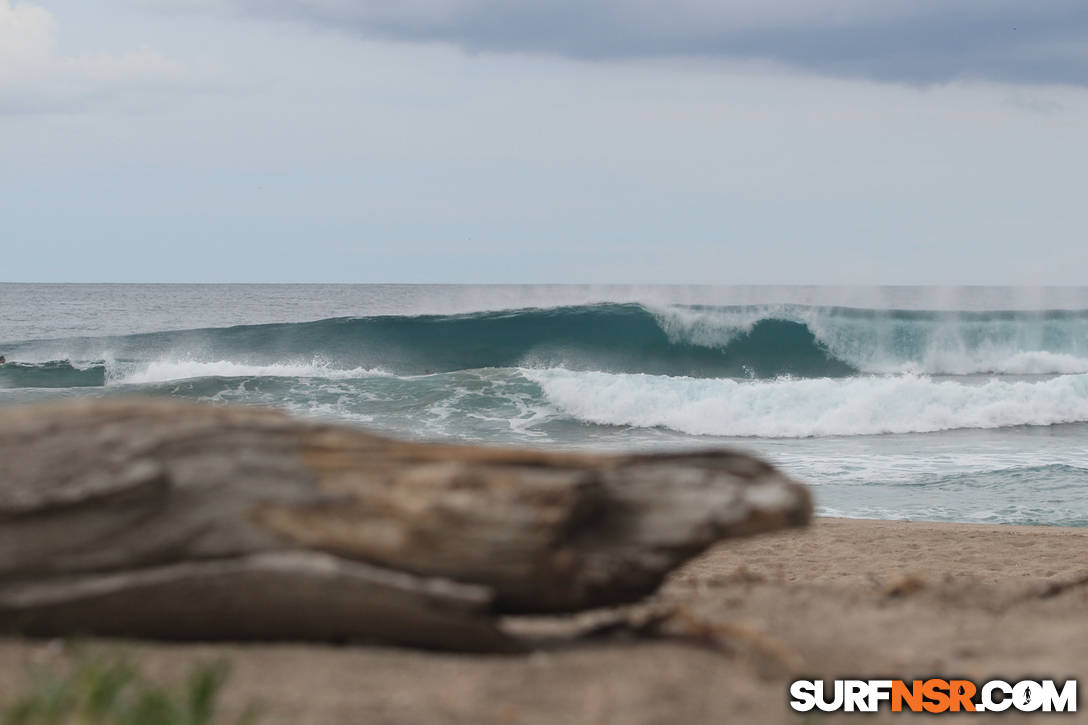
x: 948, y: 404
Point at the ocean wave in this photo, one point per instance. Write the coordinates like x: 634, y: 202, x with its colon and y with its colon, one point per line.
x: 65, y: 374
x: 170, y: 370
x: 756, y: 341
x: 52, y: 374
x: 793, y: 408
x: 901, y: 341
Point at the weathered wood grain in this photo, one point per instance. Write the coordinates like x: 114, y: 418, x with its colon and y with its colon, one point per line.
x: 163, y: 518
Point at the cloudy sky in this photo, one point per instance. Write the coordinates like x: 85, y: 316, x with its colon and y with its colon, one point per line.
x: 824, y: 141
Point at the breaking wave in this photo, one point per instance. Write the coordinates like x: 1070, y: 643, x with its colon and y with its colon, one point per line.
x: 171, y: 370
x: 792, y: 408
x: 760, y: 342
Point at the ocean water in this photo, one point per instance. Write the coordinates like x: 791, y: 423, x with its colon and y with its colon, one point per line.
x: 960, y: 404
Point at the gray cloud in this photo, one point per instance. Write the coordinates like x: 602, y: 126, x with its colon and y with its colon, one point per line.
x: 909, y: 41
x: 36, y: 75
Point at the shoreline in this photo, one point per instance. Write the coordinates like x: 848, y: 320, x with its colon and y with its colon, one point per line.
x: 841, y: 598
x: 1042, y: 527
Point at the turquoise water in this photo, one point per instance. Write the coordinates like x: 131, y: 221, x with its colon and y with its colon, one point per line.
x: 966, y: 404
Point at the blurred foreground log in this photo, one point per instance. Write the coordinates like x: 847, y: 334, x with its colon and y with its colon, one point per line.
x: 167, y: 519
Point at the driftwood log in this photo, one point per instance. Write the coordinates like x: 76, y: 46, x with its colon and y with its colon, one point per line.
x: 167, y: 519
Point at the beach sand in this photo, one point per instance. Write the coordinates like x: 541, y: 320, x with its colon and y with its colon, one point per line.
x: 842, y: 598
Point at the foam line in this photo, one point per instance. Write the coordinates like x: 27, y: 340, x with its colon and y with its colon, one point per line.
x: 791, y: 408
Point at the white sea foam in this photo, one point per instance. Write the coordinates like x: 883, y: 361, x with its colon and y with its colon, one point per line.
x: 947, y: 343
x: 1001, y: 362
x: 792, y: 408
x: 711, y: 327
x: 162, y: 371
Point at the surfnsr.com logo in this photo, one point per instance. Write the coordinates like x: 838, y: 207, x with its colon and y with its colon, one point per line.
x: 933, y: 695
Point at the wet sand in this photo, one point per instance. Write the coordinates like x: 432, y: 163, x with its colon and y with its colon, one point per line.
x: 843, y: 598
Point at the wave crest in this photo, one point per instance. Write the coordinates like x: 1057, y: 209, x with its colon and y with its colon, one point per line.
x: 898, y: 341
x: 764, y: 341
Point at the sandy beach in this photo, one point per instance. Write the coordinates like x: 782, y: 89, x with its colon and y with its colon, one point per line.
x: 843, y: 598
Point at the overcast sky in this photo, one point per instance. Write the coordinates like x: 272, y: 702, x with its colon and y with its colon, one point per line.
x: 825, y: 141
